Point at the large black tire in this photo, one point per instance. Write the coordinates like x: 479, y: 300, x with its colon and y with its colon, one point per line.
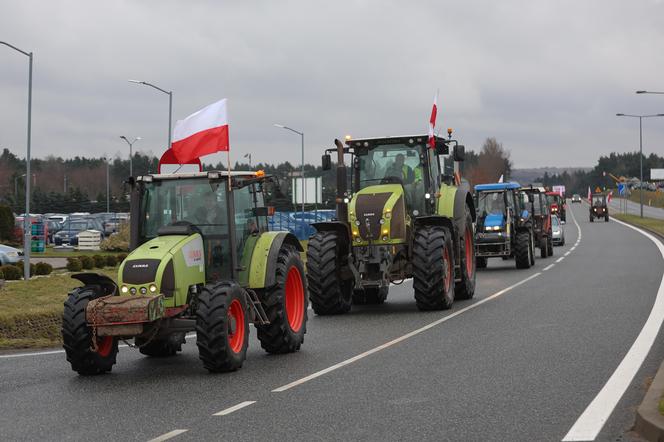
x: 329, y: 293
x: 606, y: 218
x: 369, y: 296
x: 77, y: 336
x: 162, y: 347
x: 532, y: 250
x: 549, y: 245
x: 591, y: 218
x: 222, y: 327
x: 542, y: 247
x: 433, y: 268
x: 465, y: 288
x: 480, y: 262
x: 522, y: 250
x: 285, y: 305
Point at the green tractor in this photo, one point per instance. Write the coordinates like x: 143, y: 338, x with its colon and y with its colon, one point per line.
x: 403, y: 217
x: 202, y: 261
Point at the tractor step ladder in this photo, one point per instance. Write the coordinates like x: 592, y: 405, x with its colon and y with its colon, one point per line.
x: 260, y: 318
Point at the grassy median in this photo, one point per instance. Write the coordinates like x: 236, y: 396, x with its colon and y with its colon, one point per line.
x: 31, y: 312
x: 656, y: 225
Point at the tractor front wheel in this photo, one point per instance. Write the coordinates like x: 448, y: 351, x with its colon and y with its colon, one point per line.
x: 433, y: 268
x: 77, y: 336
x: 480, y: 262
x: 285, y: 305
x: 465, y: 289
x: 532, y: 250
x: 222, y: 327
x: 329, y: 293
x: 522, y: 250
x: 549, y: 245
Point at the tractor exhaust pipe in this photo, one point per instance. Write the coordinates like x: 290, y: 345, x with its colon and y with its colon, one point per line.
x: 342, y: 207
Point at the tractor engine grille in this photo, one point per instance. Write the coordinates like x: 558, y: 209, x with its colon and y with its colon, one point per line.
x: 370, y: 207
x: 140, y: 271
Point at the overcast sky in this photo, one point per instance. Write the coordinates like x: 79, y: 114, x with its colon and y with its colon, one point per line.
x: 545, y: 78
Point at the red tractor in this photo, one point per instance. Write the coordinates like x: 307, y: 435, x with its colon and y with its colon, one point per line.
x: 536, y: 201
x: 557, y: 204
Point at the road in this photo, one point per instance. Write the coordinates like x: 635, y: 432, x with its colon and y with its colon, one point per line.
x: 635, y: 208
x: 521, y: 361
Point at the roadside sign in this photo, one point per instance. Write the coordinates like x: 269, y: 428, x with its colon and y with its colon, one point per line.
x: 657, y: 174
x: 621, y: 188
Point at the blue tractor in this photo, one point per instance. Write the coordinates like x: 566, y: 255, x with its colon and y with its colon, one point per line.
x: 504, y: 225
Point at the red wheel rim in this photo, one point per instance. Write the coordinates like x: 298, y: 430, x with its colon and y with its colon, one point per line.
x: 447, y: 265
x: 104, y: 346
x: 470, y: 262
x: 294, y: 299
x: 235, y: 326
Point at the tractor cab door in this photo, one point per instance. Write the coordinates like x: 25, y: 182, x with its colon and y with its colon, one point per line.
x: 250, y: 222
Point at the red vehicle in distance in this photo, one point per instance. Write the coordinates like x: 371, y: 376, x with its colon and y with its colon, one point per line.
x: 557, y: 204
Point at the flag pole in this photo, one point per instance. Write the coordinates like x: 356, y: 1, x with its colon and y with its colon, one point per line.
x: 228, y: 152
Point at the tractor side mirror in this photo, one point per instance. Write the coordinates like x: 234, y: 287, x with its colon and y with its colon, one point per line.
x: 459, y: 152
x: 327, y: 162
x: 442, y: 148
x: 260, y: 211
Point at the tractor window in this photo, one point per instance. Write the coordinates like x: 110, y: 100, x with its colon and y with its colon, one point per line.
x: 245, y: 220
x: 491, y: 203
x: 390, y: 163
x: 537, y: 204
x: 598, y: 200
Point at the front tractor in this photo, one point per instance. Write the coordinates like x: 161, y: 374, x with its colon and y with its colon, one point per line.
x: 535, y: 200
x: 399, y: 216
x: 202, y: 261
x: 598, y: 207
x: 504, y: 227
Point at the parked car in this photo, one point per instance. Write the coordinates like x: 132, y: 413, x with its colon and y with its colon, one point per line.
x: 576, y: 198
x: 558, y: 231
x: 71, y: 229
x: 113, y: 224
x: 53, y: 227
x: 9, y: 255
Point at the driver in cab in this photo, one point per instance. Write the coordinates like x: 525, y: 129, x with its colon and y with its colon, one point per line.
x: 403, y: 171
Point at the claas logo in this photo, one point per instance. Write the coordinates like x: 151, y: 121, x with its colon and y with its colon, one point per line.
x: 195, y: 255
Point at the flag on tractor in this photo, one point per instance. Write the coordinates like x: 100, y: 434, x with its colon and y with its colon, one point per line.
x: 609, y: 197
x: 202, y: 133
x: 432, y: 122
x: 590, y: 194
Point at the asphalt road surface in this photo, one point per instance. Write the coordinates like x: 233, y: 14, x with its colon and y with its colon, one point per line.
x: 524, y: 360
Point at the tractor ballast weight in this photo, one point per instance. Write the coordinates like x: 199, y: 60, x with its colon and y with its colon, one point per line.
x: 504, y: 227
x: 202, y: 260
x: 400, y: 212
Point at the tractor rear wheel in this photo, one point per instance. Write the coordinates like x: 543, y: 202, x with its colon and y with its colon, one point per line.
x: 370, y: 295
x: 163, y: 347
x: 522, y: 250
x: 433, y: 268
x: 480, y: 262
x: 606, y: 218
x: 285, y: 305
x: 222, y: 327
x: 542, y: 247
x: 549, y: 245
x: 77, y: 336
x: 465, y: 289
x: 328, y: 292
x: 532, y: 250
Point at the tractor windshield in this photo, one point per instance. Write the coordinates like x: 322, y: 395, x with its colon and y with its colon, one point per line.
x: 491, y: 203
x: 598, y: 200
x: 390, y: 163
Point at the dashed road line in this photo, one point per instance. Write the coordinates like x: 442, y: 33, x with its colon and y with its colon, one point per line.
x: 169, y: 435
x: 401, y: 338
x: 560, y: 259
x: 234, y: 408
x: 548, y: 267
x: 567, y: 253
x: 592, y: 420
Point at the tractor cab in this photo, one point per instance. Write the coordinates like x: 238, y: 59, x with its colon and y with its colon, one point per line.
x: 504, y: 224
x: 557, y: 205
x: 536, y: 200
x: 598, y: 207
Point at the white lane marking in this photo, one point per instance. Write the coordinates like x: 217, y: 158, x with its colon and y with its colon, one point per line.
x: 548, y: 267
x: 560, y: 259
x: 237, y: 407
x: 53, y: 352
x: 401, y: 338
x: 169, y: 435
x: 592, y: 420
x: 572, y: 249
x: 567, y: 253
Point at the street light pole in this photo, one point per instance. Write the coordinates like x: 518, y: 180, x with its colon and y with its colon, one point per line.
x: 108, y: 186
x: 131, y: 153
x: 640, y: 117
x: 248, y: 155
x: 170, y: 105
x: 26, y: 221
x: 301, y: 134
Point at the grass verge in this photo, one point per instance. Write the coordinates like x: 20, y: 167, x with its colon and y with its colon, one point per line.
x: 656, y: 225
x: 654, y: 199
x: 31, y: 312
x: 50, y: 253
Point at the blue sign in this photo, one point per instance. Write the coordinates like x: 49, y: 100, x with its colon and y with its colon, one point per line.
x: 621, y: 188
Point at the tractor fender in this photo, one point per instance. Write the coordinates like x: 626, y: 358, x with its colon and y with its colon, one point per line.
x: 335, y: 226
x: 107, y: 284
x: 264, y: 258
x: 436, y: 220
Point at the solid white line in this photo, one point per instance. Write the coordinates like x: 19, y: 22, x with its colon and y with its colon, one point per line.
x: 401, y: 338
x: 548, y: 267
x: 169, y: 435
x: 560, y: 259
x: 54, y: 352
x: 567, y: 253
x: 229, y: 410
x: 591, y: 421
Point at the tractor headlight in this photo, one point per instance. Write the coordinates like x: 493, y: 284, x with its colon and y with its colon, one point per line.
x: 388, y: 215
x: 385, y: 231
x: 357, y: 222
x: 382, y: 221
x: 153, y: 288
x: 132, y: 290
x: 124, y: 289
x: 358, y: 239
x: 384, y: 238
x: 143, y: 290
x: 346, y: 200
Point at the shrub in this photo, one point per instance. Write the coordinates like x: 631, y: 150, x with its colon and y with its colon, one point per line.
x: 100, y: 261
x: 74, y: 264
x: 43, y: 268
x: 111, y: 261
x: 11, y: 273
x: 117, y: 242
x: 87, y: 262
x: 2, y: 275
x: 19, y: 265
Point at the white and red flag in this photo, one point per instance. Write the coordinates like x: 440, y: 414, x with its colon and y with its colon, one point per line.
x: 589, y: 194
x: 609, y: 197
x: 201, y: 133
x: 432, y: 122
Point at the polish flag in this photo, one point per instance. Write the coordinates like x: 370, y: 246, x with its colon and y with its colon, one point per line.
x: 201, y: 133
x: 432, y: 122
x: 589, y: 194
x: 609, y: 197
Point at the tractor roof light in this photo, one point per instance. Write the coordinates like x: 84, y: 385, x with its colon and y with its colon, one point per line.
x: 427, y: 195
x: 260, y: 173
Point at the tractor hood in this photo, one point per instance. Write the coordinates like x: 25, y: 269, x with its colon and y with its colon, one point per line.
x: 378, y: 214
x: 494, y: 220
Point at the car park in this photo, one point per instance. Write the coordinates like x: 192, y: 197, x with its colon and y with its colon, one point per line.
x: 71, y: 229
x: 558, y: 231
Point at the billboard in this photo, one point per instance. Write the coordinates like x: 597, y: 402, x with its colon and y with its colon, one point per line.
x: 657, y: 174
x: 309, y: 193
